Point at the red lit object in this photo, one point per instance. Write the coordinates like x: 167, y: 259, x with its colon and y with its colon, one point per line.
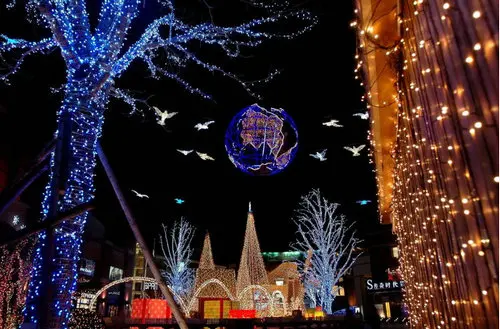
x: 242, y: 314
x: 143, y: 309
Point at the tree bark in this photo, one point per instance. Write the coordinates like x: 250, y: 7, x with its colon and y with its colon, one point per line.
x: 70, y: 184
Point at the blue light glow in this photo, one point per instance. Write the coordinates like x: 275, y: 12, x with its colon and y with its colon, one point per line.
x: 261, y: 142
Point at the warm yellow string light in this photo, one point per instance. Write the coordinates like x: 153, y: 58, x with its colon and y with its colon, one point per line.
x: 444, y: 188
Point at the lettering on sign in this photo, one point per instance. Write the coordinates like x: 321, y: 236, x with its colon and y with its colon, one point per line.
x: 370, y: 285
x: 150, y: 285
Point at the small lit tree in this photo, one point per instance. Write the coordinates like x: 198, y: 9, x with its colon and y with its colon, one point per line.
x: 176, y: 247
x: 330, y: 243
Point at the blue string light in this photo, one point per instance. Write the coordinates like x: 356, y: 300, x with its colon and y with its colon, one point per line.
x: 94, y: 61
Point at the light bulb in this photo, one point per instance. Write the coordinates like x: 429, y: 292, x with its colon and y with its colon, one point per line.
x: 476, y: 14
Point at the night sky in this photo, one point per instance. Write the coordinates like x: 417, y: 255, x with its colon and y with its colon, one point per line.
x: 316, y: 84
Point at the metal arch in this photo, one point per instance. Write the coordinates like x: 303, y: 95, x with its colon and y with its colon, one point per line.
x: 279, y: 293
x: 259, y: 287
x: 206, y: 283
x: 129, y: 279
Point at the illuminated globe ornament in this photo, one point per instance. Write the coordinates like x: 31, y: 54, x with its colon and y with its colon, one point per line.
x: 261, y: 142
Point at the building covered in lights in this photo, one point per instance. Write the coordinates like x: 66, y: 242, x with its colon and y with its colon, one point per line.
x: 431, y: 74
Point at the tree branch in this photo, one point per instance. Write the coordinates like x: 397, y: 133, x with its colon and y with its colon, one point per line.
x: 61, y: 29
x: 229, y: 39
x: 130, y: 100
x: 27, y: 47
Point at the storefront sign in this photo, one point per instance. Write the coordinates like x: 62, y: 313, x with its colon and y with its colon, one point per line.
x: 87, y: 267
x: 150, y: 285
x: 370, y: 285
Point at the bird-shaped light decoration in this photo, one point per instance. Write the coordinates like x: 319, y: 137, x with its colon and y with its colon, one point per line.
x: 163, y: 115
x: 179, y: 201
x: 204, y: 125
x: 332, y: 123
x: 363, y: 116
x: 321, y: 156
x: 140, y: 195
x: 185, y: 152
x: 363, y: 202
x: 355, y: 149
x: 204, y: 156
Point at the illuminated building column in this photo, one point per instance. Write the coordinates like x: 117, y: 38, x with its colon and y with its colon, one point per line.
x: 442, y: 59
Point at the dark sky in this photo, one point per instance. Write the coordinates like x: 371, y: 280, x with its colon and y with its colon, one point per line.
x: 316, y: 84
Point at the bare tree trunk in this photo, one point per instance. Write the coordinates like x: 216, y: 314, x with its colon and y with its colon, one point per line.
x: 140, y: 240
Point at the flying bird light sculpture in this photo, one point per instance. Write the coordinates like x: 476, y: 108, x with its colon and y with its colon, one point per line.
x: 321, y: 156
x: 163, y: 115
x: 179, y: 201
x: 204, y: 156
x: 363, y: 202
x: 204, y: 125
x: 332, y: 123
x: 185, y: 152
x: 140, y: 195
x: 355, y: 149
x: 363, y: 116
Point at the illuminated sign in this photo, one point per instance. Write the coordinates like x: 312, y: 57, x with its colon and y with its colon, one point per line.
x: 87, y: 267
x: 370, y: 285
x: 150, y: 285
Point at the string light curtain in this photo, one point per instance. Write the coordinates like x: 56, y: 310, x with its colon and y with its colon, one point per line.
x: 445, y: 179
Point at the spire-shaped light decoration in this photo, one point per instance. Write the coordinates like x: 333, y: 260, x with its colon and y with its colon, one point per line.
x: 251, y: 270
x: 206, y: 258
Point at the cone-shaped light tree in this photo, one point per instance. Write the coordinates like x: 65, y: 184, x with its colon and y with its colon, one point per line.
x: 206, y: 258
x: 251, y: 270
x: 95, y: 57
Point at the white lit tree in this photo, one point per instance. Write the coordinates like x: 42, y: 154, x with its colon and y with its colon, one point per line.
x: 97, y: 51
x: 330, y: 243
x: 176, y: 247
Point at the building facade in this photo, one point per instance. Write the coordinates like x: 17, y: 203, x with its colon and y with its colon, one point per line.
x: 102, y: 262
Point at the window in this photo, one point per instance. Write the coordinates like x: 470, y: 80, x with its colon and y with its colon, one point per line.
x: 280, y: 282
x: 395, y: 252
x: 338, y: 291
x: 115, y: 273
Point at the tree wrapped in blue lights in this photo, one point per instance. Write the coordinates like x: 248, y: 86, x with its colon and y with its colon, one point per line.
x: 95, y: 58
x: 330, y: 243
x: 177, y: 252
